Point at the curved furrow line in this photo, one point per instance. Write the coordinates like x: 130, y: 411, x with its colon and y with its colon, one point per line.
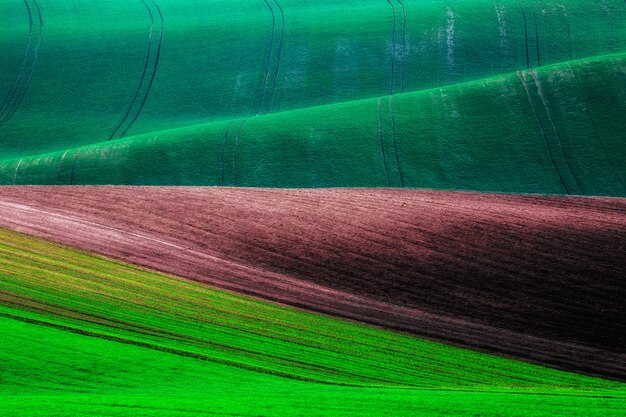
x: 522, y: 78
x: 162, y: 335
x: 269, y: 58
x: 60, y: 165
x: 143, y: 74
x: 393, y: 47
x: 21, y: 94
x: 14, y: 87
x: 280, y: 52
x: 568, y: 31
x: 74, y: 165
x: 162, y: 348
x: 154, y: 70
x: 521, y: 9
x: 536, y: 35
x: 556, y: 131
x: 17, y: 169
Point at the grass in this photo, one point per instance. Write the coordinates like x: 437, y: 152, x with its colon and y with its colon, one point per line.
x: 86, y: 335
x: 180, y: 79
x: 556, y: 130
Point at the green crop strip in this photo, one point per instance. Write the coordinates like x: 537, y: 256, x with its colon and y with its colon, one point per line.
x: 83, y: 334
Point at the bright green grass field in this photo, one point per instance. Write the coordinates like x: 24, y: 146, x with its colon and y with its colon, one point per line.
x: 297, y: 93
x: 82, y: 335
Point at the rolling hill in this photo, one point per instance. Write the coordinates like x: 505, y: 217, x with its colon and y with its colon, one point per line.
x: 502, y: 96
x: 312, y: 207
x: 69, y: 317
x: 530, y: 277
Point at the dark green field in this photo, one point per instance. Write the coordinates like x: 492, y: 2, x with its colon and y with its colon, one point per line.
x: 504, y: 96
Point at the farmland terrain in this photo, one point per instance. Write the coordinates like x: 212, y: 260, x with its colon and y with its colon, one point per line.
x: 83, y: 334
x: 313, y: 207
x: 506, y: 96
x: 531, y: 277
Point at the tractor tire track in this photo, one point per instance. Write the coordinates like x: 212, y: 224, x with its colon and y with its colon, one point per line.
x: 521, y: 9
x: 382, y: 145
x: 522, y: 78
x: 393, y: 47
x: 16, y: 169
x: 60, y: 165
x: 154, y: 70
x: 269, y: 57
x: 280, y: 52
x: 143, y: 74
x: 74, y: 165
x: 544, y: 101
x: 14, y: 87
x: 235, y: 151
x: 21, y: 93
x: 536, y: 36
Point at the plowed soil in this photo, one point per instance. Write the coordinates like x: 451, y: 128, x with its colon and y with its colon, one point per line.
x: 537, y: 278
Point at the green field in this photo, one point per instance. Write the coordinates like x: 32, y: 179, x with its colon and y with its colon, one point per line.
x: 82, y: 334
x: 297, y: 93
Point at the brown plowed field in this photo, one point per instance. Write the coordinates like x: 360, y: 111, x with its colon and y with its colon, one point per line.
x: 539, y: 278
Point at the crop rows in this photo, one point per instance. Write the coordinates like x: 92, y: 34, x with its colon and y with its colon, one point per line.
x: 533, y: 277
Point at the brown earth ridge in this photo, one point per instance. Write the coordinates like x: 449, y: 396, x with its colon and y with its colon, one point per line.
x: 539, y: 278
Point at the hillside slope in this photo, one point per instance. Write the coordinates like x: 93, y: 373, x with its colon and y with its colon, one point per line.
x: 79, y: 72
x: 531, y: 277
x: 503, y: 95
x: 84, y: 335
x: 557, y: 130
